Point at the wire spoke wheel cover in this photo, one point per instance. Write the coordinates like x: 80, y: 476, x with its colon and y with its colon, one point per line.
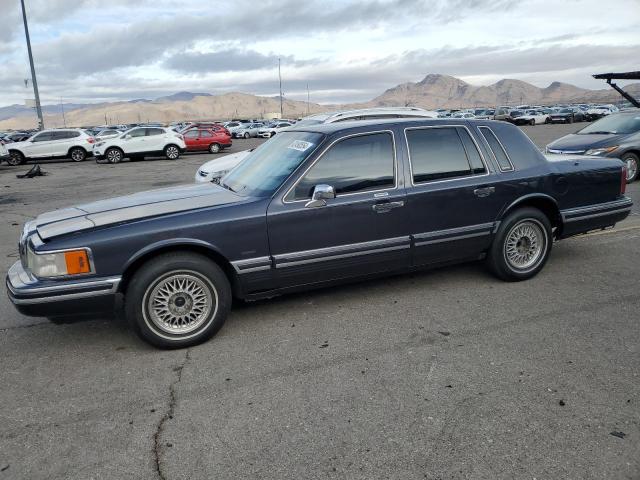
x: 525, y: 245
x: 180, y: 302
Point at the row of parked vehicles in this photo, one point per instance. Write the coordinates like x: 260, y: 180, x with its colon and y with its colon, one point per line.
x: 614, y: 135
x: 534, y: 114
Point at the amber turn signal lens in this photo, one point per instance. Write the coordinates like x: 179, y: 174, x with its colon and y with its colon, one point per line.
x: 77, y: 262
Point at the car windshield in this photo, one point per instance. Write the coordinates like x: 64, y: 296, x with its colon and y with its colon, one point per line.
x: 619, y: 124
x: 263, y: 171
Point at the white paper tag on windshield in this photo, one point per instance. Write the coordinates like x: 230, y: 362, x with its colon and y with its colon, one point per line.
x: 300, y: 145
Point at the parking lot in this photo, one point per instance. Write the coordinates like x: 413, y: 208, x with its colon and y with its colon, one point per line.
x: 442, y: 374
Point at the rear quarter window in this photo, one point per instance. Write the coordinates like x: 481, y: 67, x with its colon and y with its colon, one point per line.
x: 521, y: 150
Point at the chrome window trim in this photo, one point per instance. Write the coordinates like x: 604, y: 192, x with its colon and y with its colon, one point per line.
x: 429, y: 182
x: 512, y: 169
x: 321, y: 155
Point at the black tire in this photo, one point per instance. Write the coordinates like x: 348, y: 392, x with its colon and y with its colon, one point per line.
x: 169, y: 267
x: 532, y: 122
x: 15, y: 158
x: 246, y: 135
x: 539, y: 228
x: 272, y: 134
x: 78, y: 154
x: 215, y: 148
x: 172, y: 152
x: 629, y: 159
x: 569, y: 119
x: 547, y: 121
x: 114, y: 155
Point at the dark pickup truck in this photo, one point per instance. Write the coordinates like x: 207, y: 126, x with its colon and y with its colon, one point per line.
x: 315, y: 206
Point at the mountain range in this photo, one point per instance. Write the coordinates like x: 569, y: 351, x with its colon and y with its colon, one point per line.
x: 434, y: 91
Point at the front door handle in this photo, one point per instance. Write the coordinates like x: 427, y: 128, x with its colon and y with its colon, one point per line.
x: 384, y: 207
x: 484, y: 191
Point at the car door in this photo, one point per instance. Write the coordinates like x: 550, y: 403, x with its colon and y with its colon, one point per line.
x: 37, y: 145
x: 134, y: 141
x: 362, y: 230
x: 155, y: 139
x: 455, y: 196
x: 60, y: 143
x: 191, y: 138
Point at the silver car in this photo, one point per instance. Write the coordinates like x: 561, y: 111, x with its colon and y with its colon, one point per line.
x: 250, y: 130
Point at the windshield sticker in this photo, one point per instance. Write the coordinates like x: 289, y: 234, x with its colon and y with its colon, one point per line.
x: 300, y: 145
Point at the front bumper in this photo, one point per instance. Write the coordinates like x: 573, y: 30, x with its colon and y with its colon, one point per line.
x: 50, y: 298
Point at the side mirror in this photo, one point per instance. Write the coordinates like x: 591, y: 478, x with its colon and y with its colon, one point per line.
x: 321, y: 193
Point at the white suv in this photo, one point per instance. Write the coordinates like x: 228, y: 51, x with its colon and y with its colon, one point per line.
x: 140, y: 142
x: 73, y: 143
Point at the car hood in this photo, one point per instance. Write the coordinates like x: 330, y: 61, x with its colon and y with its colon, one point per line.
x: 575, y: 143
x: 132, y: 207
x: 224, y: 163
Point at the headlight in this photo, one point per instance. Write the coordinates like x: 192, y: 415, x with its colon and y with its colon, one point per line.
x: 601, y: 151
x: 59, y: 264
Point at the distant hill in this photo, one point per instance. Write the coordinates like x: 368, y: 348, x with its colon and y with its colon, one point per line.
x: 443, y: 91
x: 434, y: 91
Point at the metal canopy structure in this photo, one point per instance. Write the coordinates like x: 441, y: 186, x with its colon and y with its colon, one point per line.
x: 620, y: 76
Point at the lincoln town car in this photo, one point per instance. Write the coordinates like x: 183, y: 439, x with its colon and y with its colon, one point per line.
x: 314, y: 206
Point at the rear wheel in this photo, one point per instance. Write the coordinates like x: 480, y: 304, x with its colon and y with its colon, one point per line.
x: 214, y: 148
x: 246, y: 135
x: 78, y: 154
x: 178, y: 300
x: 521, y: 246
x: 547, y: 120
x: 15, y: 158
x: 114, y: 155
x: 172, y: 152
x: 532, y: 122
x: 632, y: 162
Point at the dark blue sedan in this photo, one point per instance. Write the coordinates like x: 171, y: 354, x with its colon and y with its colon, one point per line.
x: 315, y: 206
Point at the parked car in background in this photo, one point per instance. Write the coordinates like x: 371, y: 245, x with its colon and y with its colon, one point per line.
x: 502, y: 114
x: 140, y: 142
x: 270, y: 131
x: 532, y: 117
x: 616, y: 135
x: 379, y: 113
x: 201, y: 139
x: 4, y: 153
x: 467, y: 115
x: 313, y: 207
x: 250, y: 130
x: 105, y: 134
x: 18, y: 137
x: 568, y: 115
x: 214, y: 170
x: 487, y: 114
x: 233, y: 126
x: 599, y: 111
x: 74, y: 143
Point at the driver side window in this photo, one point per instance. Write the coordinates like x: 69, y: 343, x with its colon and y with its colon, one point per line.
x: 353, y: 165
x: 138, y: 132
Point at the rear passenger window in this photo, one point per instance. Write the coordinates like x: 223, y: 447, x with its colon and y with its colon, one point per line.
x: 496, y: 148
x: 438, y: 153
x: 356, y: 164
x: 154, y: 131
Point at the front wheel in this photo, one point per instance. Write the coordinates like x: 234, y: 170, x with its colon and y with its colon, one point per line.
x: 632, y: 162
x: 172, y: 152
x: 78, y: 154
x: 177, y: 300
x: 246, y: 135
x: 532, y: 122
x: 15, y: 158
x: 521, y: 246
x: 272, y: 134
x: 214, y: 148
x: 114, y: 155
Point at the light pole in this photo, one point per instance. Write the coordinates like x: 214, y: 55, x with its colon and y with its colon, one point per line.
x: 33, y: 69
x: 280, y: 78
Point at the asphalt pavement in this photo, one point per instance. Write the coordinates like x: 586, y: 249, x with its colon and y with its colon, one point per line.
x: 443, y: 374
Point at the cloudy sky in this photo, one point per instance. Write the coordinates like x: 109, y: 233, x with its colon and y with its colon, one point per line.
x: 97, y: 50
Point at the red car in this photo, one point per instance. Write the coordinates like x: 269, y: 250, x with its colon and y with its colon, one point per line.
x: 205, y: 139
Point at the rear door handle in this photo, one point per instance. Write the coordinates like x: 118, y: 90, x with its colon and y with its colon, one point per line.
x: 484, y: 191
x: 384, y: 207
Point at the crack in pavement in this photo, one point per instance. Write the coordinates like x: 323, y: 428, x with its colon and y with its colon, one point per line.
x: 157, y: 447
